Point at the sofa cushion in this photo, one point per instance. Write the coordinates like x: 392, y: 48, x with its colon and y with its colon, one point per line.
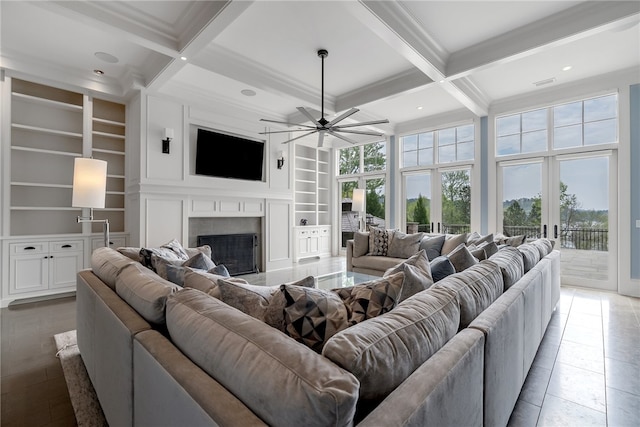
x: 530, y: 256
x: 477, y: 288
x: 543, y: 245
x: 360, y: 243
x: 281, y: 381
x: 145, y: 291
x: 382, y: 352
x: 204, y: 249
x: 379, y: 239
x: 207, y: 282
x: 378, y: 263
x: 441, y: 267
x: 404, y: 245
x: 511, y: 265
x: 461, y: 258
x: 107, y: 264
x: 452, y: 241
x: 432, y: 245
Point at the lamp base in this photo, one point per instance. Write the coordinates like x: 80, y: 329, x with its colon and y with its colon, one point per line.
x: 105, y: 227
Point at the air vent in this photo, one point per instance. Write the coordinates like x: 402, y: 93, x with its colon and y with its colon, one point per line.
x: 545, y: 82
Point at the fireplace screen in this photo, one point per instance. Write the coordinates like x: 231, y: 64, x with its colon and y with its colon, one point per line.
x: 236, y: 251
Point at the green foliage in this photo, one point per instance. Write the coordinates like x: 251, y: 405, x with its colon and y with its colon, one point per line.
x: 374, y: 207
x: 420, y: 213
x: 514, y: 215
x: 456, y: 197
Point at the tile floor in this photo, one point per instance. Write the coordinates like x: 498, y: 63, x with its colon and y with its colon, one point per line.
x: 586, y: 372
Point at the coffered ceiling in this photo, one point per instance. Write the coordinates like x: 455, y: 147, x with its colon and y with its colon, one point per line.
x: 401, y: 60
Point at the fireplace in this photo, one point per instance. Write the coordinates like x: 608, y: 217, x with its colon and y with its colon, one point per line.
x: 238, y: 252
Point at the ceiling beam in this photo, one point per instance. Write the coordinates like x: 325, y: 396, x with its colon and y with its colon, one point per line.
x: 399, y: 29
x: 580, y: 21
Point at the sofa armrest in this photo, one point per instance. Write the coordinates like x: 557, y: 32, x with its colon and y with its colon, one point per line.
x: 349, y: 255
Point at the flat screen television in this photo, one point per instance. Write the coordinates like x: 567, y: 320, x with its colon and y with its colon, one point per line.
x: 227, y: 156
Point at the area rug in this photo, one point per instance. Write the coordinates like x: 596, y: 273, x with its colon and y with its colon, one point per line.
x: 83, y: 397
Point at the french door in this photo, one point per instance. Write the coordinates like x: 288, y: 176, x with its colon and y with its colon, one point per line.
x: 570, y: 199
x: 437, y: 200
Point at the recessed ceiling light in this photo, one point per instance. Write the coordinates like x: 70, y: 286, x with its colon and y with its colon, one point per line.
x: 106, y: 57
x: 184, y: 58
x: 420, y: 107
x: 248, y: 92
x: 98, y: 72
x: 567, y: 68
x: 441, y: 81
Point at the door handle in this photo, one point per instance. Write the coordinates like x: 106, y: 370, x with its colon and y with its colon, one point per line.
x: 66, y: 246
x: 544, y: 231
x: 555, y: 231
x: 438, y: 227
x: 30, y: 248
x: 432, y: 227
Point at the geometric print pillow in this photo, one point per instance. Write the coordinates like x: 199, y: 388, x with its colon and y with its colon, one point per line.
x: 312, y: 316
x: 378, y: 241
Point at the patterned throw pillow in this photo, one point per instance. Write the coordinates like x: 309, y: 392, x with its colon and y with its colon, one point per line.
x: 274, y: 314
x: 371, y: 299
x: 312, y: 316
x: 378, y: 241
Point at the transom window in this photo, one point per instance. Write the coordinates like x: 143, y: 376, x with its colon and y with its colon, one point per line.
x: 576, y: 124
x: 439, y: 146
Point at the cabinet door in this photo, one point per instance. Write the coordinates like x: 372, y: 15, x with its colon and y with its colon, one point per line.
x: 314, y: 243
x: 28, y: 273
x: 303, y: 244
x: 63, y: 269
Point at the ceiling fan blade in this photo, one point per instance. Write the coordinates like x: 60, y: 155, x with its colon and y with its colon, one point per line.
x: 287, y: 123
x: 301, y: 136
x: 286, y: 131
x: 320, y: 138
x: 342, y: 137
x: 359, y: 132
x: 372, y: 122
x: 342, y: 116
x: 308, y: 115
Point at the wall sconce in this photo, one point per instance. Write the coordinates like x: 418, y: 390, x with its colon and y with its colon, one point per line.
x: 280, y: 159
x: 90, y: 189
x: 168, y: 136
x: 358, y: 204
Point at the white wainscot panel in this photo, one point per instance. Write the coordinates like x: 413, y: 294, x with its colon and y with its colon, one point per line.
x: 254, y: 207
x: 203, y: 208
x: 278, y: 228
x: 164, y: 220
x: 230, y: 206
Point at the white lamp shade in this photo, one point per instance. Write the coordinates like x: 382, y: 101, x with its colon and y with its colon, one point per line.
x: 89, y: 183
x: 358, y: 200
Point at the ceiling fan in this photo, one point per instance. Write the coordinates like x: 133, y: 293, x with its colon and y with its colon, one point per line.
x: 323, y: 126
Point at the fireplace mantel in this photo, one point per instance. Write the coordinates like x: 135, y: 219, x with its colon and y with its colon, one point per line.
x: 226, y: 206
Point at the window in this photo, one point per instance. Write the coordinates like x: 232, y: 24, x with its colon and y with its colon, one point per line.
x: 576, y: 124
x: 448, y: 145
x: 589, y: 122
x: 522, y: 133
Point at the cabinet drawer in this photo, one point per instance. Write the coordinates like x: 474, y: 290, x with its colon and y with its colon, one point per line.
x: 114, y: 243
x: 66, y: 246
x: 28, y: 248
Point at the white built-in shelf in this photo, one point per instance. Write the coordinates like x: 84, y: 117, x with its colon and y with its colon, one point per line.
x: 108, y: 122
x: 305, y: 192
x: 306, y: 170
x: 44, y: 208
x: 46, y: 130
x: 43, y: 151
x: 100, y: 150
x: 108, y: 135
x: 40, y: 184
x: 46, y: 101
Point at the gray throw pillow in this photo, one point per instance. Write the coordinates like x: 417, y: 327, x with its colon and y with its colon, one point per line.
x: 461, y: 258
x: 250, y: 299
x: 490, y: 248
x: 432, y: 245
x: 199, y: 261
x: 360, y: 243
x: 441, y: 267
x: 452, y: 241
x: 419, y: 260
x: 404, y: 245
x: 415, y: 280
x: 220, y: 270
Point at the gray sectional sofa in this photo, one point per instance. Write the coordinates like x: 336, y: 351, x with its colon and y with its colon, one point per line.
x: 454, y: 354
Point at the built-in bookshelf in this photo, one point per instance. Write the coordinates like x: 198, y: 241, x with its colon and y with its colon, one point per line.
x: 48, y: 131
x: 311, y: 185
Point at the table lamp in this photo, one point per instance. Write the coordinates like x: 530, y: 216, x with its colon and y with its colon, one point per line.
x: 358, y: 205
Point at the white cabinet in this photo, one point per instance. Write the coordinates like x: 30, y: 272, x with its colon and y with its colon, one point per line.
x: 114, y: 242
x: 311, y: 185
x: 312, y: 241
x: 38, y: 268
